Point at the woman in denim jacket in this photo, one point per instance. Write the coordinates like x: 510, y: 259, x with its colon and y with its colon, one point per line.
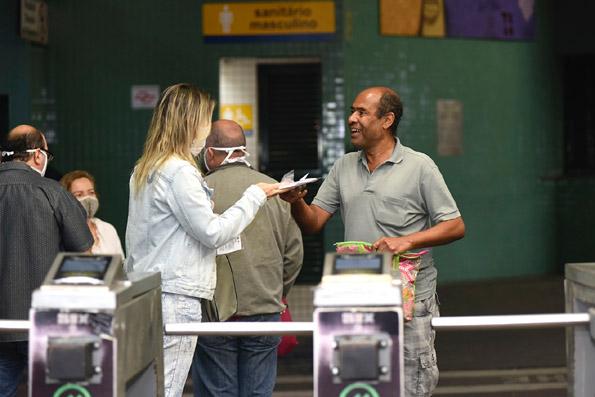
x: 171, y: 225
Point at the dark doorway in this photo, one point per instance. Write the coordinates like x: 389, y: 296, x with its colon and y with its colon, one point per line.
x: 3, y: 119
x: 579, y: 114
x: 289, y: 103
x: 289, y: 118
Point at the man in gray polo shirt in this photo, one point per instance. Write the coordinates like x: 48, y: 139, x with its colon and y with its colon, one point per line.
x: 396, y: 197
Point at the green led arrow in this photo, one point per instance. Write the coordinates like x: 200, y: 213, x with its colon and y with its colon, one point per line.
x: 71, y: 390
x: 361, y: 390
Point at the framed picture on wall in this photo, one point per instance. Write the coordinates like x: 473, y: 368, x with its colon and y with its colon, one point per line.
x: 34, y: 21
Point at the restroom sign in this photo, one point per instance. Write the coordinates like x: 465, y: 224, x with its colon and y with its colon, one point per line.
x: 280, y: 20
x: 240, y: 113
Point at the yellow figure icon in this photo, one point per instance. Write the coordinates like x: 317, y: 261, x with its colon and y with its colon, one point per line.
x: 240, y: 113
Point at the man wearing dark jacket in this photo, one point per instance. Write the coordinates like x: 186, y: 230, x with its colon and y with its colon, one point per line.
x: 254, y: 273
x: 38, y: 219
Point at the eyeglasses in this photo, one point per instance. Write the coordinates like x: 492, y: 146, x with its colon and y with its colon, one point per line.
x: 49, y: 155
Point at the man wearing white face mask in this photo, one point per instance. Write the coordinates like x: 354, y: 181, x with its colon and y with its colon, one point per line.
x: 82, y: 186
x: 254, y: 273
x: 38, y: 219
x: 218, y: 156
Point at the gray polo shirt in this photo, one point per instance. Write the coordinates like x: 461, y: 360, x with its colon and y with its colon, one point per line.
x: 404, y: 195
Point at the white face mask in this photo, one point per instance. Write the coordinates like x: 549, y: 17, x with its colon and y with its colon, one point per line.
x: 90, y: 204
x: 45, y: 164
x: 204, y: 161
x: 197, y: 146
x: 230, y: 160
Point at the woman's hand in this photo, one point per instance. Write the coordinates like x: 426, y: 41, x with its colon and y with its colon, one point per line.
x: 270, y: 189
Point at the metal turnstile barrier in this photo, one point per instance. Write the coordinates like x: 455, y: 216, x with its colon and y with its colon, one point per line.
x: 358, y: 328
x: 338, y: 346
x: 580, y: 348
x: 94, y: 331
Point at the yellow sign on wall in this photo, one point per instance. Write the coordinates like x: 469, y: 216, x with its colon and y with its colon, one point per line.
x: 412, y: 18
x: 240, y: 113
x: 268, y: 19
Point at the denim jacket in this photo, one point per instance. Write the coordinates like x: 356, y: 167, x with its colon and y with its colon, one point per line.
x: 172, y: 228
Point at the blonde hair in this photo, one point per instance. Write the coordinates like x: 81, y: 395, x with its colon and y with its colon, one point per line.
x: 182, y: 115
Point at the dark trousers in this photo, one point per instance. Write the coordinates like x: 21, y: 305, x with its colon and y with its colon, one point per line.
x: 226, y: 366
x: 13, y: 361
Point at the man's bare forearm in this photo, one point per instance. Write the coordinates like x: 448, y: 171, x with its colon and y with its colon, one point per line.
x: 305, y: 217
x: 442, y: 233
x: 310, y: 218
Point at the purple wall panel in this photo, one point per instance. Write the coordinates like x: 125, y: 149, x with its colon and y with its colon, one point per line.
x: 497, y: 19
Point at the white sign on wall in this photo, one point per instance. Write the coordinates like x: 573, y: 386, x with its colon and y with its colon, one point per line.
x: 449, y: 117
x: 144, y: 96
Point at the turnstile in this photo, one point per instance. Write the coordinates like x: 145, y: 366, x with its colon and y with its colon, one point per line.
x: 95, y: 332
x: 358, y: 328
x: 580, y: 341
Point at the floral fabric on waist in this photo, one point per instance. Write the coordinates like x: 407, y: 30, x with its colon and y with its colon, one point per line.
x: 407, y: 264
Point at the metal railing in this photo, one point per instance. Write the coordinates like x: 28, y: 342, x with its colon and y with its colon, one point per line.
x: 462, y: 323
x: 519, y: 321
x: 14, y: 325
x: 238, y: 328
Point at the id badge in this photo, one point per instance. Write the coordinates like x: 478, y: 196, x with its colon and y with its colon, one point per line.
x: 235, y: 244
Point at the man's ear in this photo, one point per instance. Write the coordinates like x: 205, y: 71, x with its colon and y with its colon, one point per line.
x: 210, y: 156
x: 38, y: 157
x: 389, y: 120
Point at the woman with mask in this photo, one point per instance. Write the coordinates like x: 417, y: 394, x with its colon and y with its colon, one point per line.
x: 82, y: 186
x: 171, y: 225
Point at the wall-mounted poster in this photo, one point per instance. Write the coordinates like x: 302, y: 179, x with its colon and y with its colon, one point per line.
x: 449, y: 126
x: 487, y: 19
x: 490, y: 19
x: 34, y: 21
x: 400, y: 17
x: 412, y: 18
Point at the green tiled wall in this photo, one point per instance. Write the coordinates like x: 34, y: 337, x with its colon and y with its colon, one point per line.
x: 520, y: 220
x: 100, y: 49
x: 15, y: 64
x: 510, y: 140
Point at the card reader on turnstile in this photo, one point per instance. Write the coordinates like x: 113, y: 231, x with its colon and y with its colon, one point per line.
x: 94, y: 331
x: 358, y: 328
